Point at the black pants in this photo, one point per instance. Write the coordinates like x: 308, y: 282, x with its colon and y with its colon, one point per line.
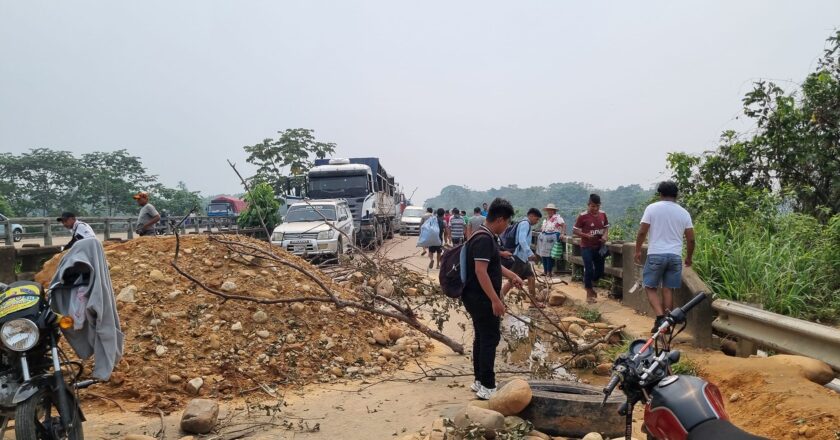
x: 487, y: 336
x: 593, y: 266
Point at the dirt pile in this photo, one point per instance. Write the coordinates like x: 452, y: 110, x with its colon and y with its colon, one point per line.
x: 181, y: 341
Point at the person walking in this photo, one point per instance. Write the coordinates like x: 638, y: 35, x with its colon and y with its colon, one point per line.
x: 429, y: 214
x: 523, y: 255
x: 667, y: 223
x: 79, y: 230
x: 148, y: 216
x: 438, y: 250
x: 447, y: 215
x: 482, y: 298
x: 553, y: 230
x: 475, y: 222
x: 593, y: 229
x: 457, y: 228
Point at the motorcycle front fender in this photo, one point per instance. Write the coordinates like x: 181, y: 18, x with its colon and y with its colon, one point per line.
x: 30, y: 387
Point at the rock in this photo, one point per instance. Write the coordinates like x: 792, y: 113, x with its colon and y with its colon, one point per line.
x: 603, y: 369
x: 228, y: 286
x: 380, y: 337
x: 264, y: 334
x: 174, y: 378
x: 290, y: 338
x: 138, y: 437
x: 175, y: 294
x: 324, y: 309
x: 490, y: 420
x: 438, y: 430
x: 259, y: 317
x: 816, y: 371
x: 127, y: 294
x: 512, y: 398
x: 187, y: 437
x: 735, y: 397
x: 160, y: 350
x: 590, y: 334
x: 298, y: 309
x: 387, y: 354
x: 411, y: 291
x: 395, y: 333
x: 156, y: 275
x: 236, y: 327
x: 586, y: 360
x: 385, y: 287
x: 592, y: 436
x: 214, y: 342
x: 575, y: 329
x: 200, y: 416
x: 538, y: 435
x: 513, y: 421
x: 350, y: 311
x: 483, y: 404
x: 194, y: 385
x: 556, y: 299
x: 336, y: 371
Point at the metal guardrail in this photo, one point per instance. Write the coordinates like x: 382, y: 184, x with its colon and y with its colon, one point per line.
x: 778, y: 332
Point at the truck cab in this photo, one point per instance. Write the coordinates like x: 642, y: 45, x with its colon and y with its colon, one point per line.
x: 316, y: 227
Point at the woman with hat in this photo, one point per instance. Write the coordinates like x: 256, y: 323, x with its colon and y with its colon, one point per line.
x: 553, y: 229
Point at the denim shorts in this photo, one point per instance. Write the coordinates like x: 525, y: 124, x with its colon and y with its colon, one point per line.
x: 664, y: 269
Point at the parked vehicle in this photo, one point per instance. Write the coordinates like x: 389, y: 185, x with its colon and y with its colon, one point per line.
x: 17, y: 230
x: 316, y: 227
x: 35, y: 393
x: 371, y: 194
x: 677, y: 407
x: 224, y: 206
x: 410, y: 221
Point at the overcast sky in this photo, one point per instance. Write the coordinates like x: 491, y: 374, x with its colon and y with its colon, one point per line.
x: 479, y: 93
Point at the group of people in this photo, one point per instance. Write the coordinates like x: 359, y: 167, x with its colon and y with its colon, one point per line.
x: 664, y: 223
x: 454, y: 226
x: 147, y: 218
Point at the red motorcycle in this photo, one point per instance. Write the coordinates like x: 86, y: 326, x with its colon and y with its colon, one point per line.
x: 676, y: 407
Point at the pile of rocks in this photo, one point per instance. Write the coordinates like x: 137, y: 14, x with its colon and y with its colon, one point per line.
x: 182, y: 342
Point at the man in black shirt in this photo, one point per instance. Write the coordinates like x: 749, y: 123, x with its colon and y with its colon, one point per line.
x: 481, y: 295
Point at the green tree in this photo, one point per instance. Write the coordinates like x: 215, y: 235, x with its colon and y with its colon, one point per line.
x: 261, y: 203
x: 283, y: 162
x: 113, y: 177
x: 177, y: 201
x: 42, y: 181
x: 6, y: 208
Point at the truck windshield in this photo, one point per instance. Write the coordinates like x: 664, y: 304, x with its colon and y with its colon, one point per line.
x: 310, y: 213
x: 413, y: 213
x: 338, y: 186
x: 218, y: 208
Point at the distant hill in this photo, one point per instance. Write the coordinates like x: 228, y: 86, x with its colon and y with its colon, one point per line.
x: 570, y: 198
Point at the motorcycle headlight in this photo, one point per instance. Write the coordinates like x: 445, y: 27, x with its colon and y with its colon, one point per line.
x: 19, y: 334
x: 326, y: 235
x: 278, y: 236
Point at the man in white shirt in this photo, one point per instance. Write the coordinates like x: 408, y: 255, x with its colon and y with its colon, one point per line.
x: 79, y: 230
x: 667, y: 222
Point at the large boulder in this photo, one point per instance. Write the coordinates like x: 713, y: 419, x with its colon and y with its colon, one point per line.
x: 556, y: 299
x: 816, y: 371
x: 512, y: 398
x: 593, y: 436
x: 491, y: 421
x: 200, y: 416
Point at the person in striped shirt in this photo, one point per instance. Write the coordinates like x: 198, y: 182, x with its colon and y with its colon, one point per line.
x: 457, y: 227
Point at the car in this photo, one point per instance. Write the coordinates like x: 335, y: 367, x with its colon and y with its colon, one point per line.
x: 411, y: 217
x: 17, y: 230
x: 316, y: 228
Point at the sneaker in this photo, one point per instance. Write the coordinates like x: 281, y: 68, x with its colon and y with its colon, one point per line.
x: 656, y: 324
x: 475, y: 386
x: 485, y: 393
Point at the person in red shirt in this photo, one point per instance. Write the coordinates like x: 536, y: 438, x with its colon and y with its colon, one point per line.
x: 593, y: 229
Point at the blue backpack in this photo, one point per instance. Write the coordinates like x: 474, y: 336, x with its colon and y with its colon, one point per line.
x: 509, y: 236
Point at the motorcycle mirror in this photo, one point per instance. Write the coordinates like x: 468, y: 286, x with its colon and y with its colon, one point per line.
x: 674, y: 357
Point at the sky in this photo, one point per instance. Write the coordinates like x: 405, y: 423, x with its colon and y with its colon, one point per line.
x: 475, y: 93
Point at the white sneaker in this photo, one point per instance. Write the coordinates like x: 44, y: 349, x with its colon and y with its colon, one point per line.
x: 475, y: 386
x: 485, y: 393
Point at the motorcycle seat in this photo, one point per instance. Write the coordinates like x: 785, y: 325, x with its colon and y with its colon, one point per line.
x: 719, y: 429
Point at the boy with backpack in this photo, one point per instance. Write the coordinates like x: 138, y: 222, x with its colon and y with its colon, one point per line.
x: 517, y: 239
x: 481, y: 294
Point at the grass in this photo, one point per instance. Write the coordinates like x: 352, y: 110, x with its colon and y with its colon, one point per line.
x: 686, y: 366
x: 791, y: 267
x: 589, y: 314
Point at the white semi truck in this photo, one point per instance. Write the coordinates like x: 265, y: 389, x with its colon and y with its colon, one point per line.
x: 372, y: 195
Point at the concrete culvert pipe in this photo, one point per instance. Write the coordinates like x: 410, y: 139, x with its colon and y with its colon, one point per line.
x: 573, y: 410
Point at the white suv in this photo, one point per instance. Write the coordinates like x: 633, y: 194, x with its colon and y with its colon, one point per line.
x: 316, y: 227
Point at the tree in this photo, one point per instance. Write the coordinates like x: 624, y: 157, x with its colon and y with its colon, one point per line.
x: 113, y: 178
x: 42, y: 181
x: 177, y: 201
x: 6, y: 208
x: 283, y: 163
x: 261, y: 203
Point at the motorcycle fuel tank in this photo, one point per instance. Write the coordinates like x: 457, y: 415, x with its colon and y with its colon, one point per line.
x: 679, y: 403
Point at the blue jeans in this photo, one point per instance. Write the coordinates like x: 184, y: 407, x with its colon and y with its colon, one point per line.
x: 593, y: 266
x: 548, y: 265
x: 664, y: 269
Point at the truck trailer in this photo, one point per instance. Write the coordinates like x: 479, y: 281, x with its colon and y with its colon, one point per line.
x: 371, y: 194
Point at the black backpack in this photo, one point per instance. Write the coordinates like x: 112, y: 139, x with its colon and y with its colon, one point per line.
x: 453, y: 268
x: 509, y: 236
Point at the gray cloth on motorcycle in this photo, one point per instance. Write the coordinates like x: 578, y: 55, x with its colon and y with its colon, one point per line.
x: 93, y: 302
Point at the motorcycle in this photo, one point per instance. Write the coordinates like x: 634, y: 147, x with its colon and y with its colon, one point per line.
x: 34, y: 391
x: 677, y: 407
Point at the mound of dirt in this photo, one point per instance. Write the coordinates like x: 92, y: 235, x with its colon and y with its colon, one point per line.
x: 181, y: 341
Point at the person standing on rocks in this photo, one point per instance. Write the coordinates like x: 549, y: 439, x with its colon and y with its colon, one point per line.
x: 593, y: 229
x: 667, y: 222
x: 79, y: 230
x: 482, y: 295
x: 148, y: 216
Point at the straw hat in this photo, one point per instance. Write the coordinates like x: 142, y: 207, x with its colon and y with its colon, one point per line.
x: 550, y: 206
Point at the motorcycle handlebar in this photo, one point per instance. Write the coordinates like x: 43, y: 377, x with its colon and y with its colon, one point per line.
x: 694, y: 301
x: 611, y: 386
